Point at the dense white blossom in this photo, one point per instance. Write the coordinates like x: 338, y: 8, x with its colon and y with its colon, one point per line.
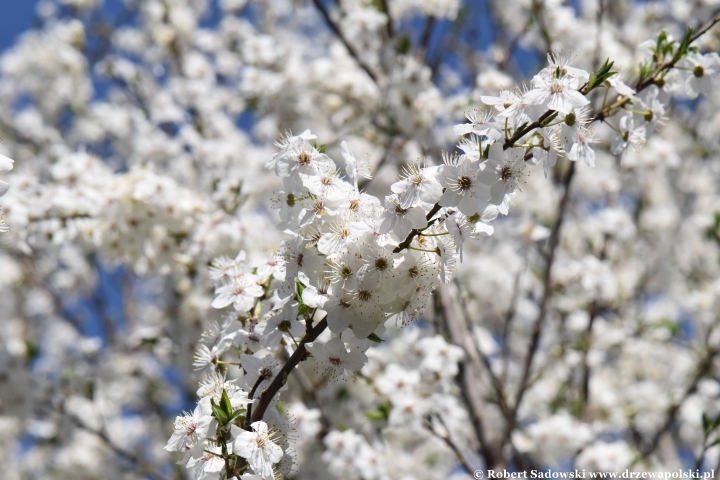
x: 473, y: 313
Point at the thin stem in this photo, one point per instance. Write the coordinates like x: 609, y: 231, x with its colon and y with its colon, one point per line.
x: 423, y: 250
x: 389, y: 25
x: 655, y: 77
x: 425, y: 38
x: 448, y: 441
x: 415, y: 232
x: 702, y: 370
x: 469, y: 341
x: 134, y: 460
x: 338, y: 33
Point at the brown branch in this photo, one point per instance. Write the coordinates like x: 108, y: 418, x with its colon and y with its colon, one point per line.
x: 389, y: 25
x: 281, y: 377
x: 448, y: 441
x: 425, y: 37
x: 469, y: 381
x: 654, y: 79
x: 544, y: 305
x: 513, y: 44
x: 538, y: 7
x: 702, y: 370
x: 593, y: 312
x: 338, y: 33
x: 469, y: 344
x: 415, y: 232
x: 504, y: 355
x: 133, y: 459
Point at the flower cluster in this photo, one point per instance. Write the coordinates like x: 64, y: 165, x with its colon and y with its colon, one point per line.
x: 352, y: 261
x: 6, y: 165
x: 582, y: 333
x: 207, y: 436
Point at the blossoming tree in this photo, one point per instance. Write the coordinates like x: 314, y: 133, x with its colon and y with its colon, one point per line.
x: 491, y: 243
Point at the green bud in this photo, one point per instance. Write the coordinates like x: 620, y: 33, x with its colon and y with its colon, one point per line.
x: 474, y: 218
x: 570, y: 119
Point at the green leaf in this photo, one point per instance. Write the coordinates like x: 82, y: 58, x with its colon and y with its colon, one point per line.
x: 237, y: 413
x: 685, y: 44
x: 598, y: 78
x: 715, y: 423
x: 674, y: 327
x: 322, y: 148
x: 521, y: 127
x: 402, y: 46
x: 373, y: 337
x: 382, y: 412
x: 299, y: 289
x: 225, y: 404
x: 219, y: 413
x: 374, y: 415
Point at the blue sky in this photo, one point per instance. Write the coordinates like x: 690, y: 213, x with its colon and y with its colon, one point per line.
x: 16, y: 16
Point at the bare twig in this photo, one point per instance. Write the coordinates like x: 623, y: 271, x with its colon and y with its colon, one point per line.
x: 544, y: 305
x: 127, y: 456
x: 702, y: 370
x: 389, y: 26
x: 469, y: 380
x: 339, y: 34
x: 425, y: 38
x: 448, y: 441
x: 469, y: 344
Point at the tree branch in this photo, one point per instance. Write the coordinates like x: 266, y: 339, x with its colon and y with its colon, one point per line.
x: 279, y: 380
x: 338, y: 33
x: 469, y: 381
x: 544, y: 305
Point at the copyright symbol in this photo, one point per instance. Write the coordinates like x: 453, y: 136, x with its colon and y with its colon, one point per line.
x: 478, y: 474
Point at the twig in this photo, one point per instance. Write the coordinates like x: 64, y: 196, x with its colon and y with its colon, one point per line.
x: 279, y: 380
x: 469, y: 344
x: 538, y: 8
x: 469, y: 381
x: 504, y: 355
x: 544, y: 304
x: 593, y: 312
x: 446, y: 438
x: 672, y: 411
x: 513, y: 44
x: 654, y: 78
x: 425, y: 38
x: 133, y: 459
x: 415, y: 232
x: 338, y: 33
x: 389, y: 26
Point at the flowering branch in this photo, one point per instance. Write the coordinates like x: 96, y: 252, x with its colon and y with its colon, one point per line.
x: 281, y: 377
